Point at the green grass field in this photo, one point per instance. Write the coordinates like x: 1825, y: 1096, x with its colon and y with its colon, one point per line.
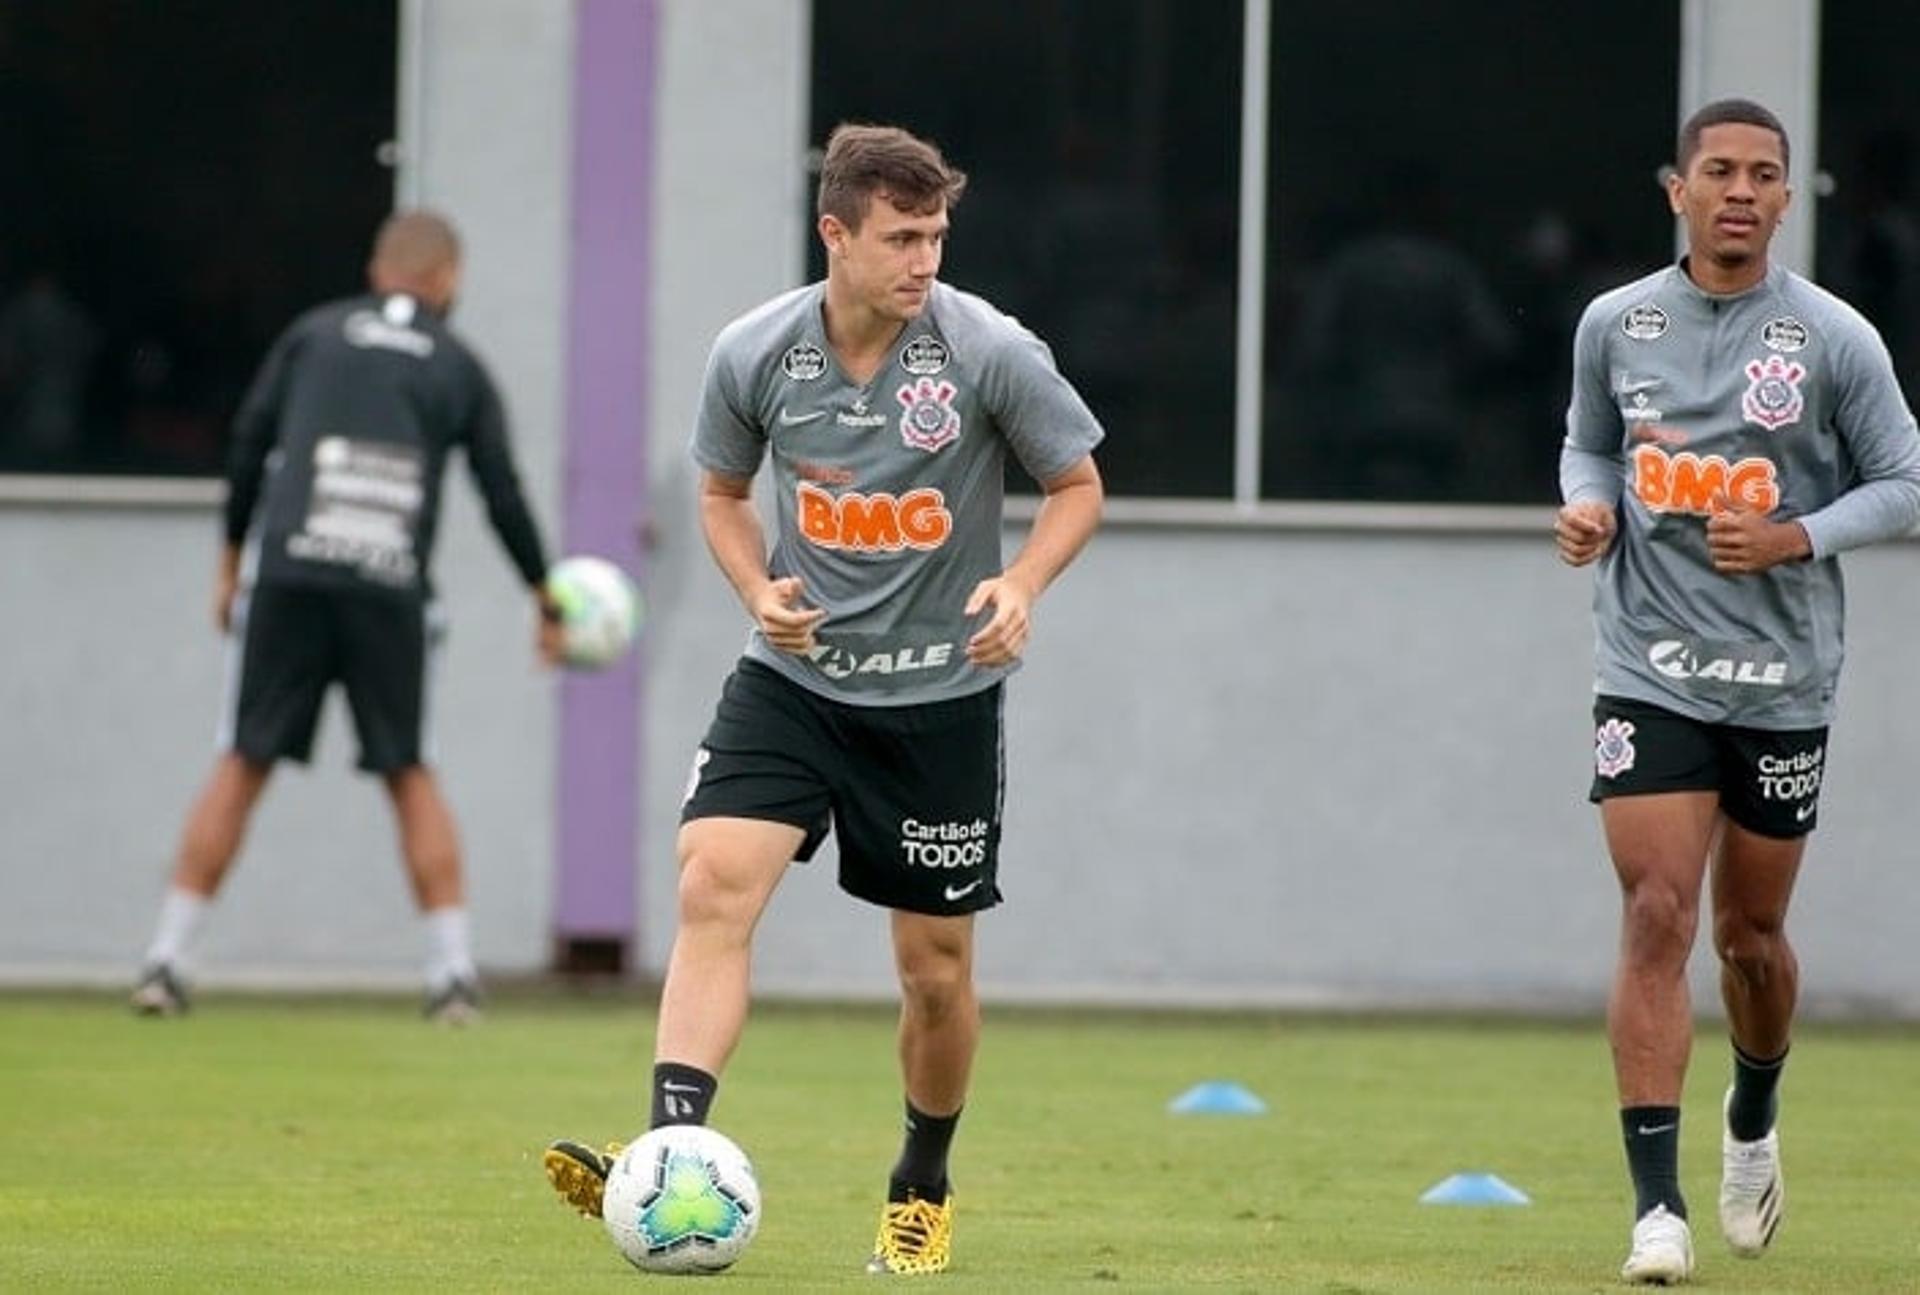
x: 340, y: 1144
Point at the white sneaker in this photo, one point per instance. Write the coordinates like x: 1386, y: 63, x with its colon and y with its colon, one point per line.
x: 1753, y: 1196
x: 1662, y: 1252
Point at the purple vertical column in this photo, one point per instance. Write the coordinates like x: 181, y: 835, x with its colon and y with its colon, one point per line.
x: 608, y: 290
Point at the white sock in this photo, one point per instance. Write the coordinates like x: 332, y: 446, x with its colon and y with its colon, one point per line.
x: 180, y: 915
x: 449, y: 947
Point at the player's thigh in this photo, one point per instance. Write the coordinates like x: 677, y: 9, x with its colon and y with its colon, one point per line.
x: 729, y: 867
x: 384, y: 664
x: 766, y: 757
x: 933, y: 948
x: 1753, y: 878
x: 1661, y: 838
x: 1658, y: 779
x: 918, y: 805
x: 286, y: 658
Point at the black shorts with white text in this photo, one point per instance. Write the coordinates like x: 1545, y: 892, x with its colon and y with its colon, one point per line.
x: 1768, y: 780
x: 913, y: 793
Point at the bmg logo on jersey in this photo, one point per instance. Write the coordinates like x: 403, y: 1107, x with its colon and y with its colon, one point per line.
x: 1791, y: 777
x: 947, y: 846
x: 1687, y: 482
x: 875, y: 523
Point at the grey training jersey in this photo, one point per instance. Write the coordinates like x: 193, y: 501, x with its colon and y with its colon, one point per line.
x: 1783, y: 399
x: 888, y: 495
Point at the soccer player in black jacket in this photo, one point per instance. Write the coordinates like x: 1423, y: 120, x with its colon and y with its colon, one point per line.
x: 332, y: 503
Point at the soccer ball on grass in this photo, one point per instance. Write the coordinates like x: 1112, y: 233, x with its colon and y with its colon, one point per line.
x: 682, y: 1199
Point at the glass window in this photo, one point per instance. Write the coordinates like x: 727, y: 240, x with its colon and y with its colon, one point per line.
x: 1868, y: 235
x: 1103, y: 142
x: 176, y: 182
x: 1444, y: 198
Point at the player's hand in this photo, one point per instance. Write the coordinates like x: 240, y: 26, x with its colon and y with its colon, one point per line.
x: 1583, y: 531
x: 776, y: 609
x: 550, y: 637
x: 1002, y: 639
x: 225, y: 588
x: 1741, y: 540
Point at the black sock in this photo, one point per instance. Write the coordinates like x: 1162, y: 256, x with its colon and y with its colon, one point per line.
x: 681, y: 1094
x: 922, y: 1167
x: 1653, y: 1157
x: 1755, y: 1083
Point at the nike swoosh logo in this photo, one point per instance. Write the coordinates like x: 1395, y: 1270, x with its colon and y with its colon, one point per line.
x: 1804, y: 813
x: 1646, y: 1132
x: 794, y: 420
x: 961, y: 892
x: 672, y: 1087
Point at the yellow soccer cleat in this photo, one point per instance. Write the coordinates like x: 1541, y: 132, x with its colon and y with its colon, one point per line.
x: 579, y: 1173
x: 916, y: 1238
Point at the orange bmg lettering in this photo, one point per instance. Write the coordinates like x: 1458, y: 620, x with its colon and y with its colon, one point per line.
x: 875, y: 523
x: 1687, y: 483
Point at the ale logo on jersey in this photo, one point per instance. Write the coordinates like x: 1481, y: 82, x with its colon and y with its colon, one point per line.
x: 880, y: 522
x: 1682, y: 661
x: 1688, y: 482
x: 930, y: 420
x: 1773, y: 397
x: 836, y: 662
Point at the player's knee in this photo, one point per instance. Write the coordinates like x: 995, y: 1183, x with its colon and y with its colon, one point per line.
x: 1754, y: 952
x: 935, y: 984
x: 713, y: 894
x: 1659, y: 916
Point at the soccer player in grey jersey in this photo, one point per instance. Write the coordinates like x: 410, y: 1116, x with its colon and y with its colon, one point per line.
x: 1732, y: 430
x: 884, y: 622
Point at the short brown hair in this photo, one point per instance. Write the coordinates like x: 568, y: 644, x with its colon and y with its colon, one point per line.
x: 1726, y: 112
x: 862, y: 161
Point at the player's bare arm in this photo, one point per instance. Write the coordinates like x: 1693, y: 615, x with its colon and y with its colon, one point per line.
x: 1583, y: 531
x: 732, y: 528
x: 226, y: 585
x: 1069, y: 513
x: 1742, y: 541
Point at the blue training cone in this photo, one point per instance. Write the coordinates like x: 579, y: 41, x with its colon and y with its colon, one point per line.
x: 1474, y: 1189
x: 1217, y: 1097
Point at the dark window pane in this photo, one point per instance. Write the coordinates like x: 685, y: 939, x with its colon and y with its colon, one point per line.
x: 177, y: 180
x: 1445, y: 196
x: 1869, y: 229
x: 1102, y: 138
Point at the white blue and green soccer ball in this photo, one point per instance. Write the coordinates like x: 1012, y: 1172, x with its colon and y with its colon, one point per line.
x: 599, y: 610
x: 682, y: 1199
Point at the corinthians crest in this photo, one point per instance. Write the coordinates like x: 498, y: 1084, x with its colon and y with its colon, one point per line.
x: 1773, y: 398
x: 930, y: 420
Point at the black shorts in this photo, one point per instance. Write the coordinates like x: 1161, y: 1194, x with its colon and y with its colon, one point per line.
x: 914, y: 792
x: 294, y: 642
x: 1768, y: 779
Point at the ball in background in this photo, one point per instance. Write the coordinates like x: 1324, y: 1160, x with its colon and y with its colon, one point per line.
x: 599, y: 610
x: 682, y: 1199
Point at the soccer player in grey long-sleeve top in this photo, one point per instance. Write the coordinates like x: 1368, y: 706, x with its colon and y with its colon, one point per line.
x: 1732, y: 430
